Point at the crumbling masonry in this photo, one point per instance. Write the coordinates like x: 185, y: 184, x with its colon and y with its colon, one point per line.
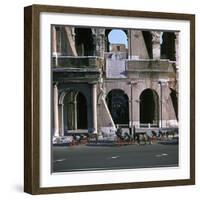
x: 98, y: 85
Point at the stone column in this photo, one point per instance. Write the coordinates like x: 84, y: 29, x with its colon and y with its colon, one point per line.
x: 94, y: 108
x: 129, y: 45
x: 177, y: 48
x: 135, y: 115
x: 156, y: 44
x: 73, y: 34
x: 54, y: 45
x: 54, y: 41
x: 102, y: 42
x: 61, y: 120
x: 131, y: 108
x: 59, y: 40
x: 56, y: 120
x: 99, y: 41
x: 75, y: 112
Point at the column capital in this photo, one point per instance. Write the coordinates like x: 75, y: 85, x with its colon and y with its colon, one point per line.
x: 156, y: 44
x: 156, y: 36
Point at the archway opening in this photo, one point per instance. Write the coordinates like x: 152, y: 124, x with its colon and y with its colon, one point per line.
x: 118, y: 106
x: 148, y: 41
x: 75, y: 111
x: 81, y: 111
x: 168, y: 46
x: 149, y: 108
x: 84, y: 42
x: 117, y: 40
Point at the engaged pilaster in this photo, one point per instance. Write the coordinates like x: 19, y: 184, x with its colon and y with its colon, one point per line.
x: 56, y: 120
x: 61, y: 119
x: 54, y: 42
x: 94, y: 108
x: 177, y: 49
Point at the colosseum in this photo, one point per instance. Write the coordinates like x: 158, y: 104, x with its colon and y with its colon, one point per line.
x: 100, y: 83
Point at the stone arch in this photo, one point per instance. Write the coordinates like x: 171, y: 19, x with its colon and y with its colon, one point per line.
x: 149, y: 107
x: 63, y: 92
x: 74, y: 110
x: 118, y: 105
x: 118, y: 86
x: 122, y: 34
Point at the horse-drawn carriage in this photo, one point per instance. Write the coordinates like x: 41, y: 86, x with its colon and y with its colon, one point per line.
x: 148, y: 136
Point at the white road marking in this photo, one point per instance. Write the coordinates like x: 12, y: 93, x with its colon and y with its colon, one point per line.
x: 161, y: 155
x: 60, y: 160
x: 113, y: 157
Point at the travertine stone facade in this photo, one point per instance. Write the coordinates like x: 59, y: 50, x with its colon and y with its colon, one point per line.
x: 98, y: 85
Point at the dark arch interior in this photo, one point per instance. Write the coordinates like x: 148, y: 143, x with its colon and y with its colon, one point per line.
x: 148, y: 41
x: 84, y: 42
x: 81, y: 111
x: 118, y: 106
x: 168, y: 46
x: 75, y: 111
x: 149, y: 109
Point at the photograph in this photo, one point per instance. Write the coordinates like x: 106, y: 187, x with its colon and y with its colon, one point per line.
x: 114, y: 98
x: 109, y: 99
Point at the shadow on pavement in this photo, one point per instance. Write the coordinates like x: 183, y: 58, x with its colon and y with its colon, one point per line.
x: 168, y: 142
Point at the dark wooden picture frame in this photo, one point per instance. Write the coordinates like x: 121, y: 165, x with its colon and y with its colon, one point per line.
x: 32, y: 98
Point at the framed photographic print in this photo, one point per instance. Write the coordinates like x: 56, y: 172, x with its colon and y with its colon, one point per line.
x: 109, y: 99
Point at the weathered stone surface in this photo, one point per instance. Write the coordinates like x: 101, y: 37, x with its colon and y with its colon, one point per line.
x: 128, y: 70
x: 154, y: 69
x: 115, y: 68
x: 77, y: 62
x: 137, y: 47
x: 75, y: 75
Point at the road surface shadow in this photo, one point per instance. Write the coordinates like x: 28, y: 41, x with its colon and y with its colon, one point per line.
x: 168, y: 142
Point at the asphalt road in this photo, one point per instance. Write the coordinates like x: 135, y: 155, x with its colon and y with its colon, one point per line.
x: 99, y: 157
